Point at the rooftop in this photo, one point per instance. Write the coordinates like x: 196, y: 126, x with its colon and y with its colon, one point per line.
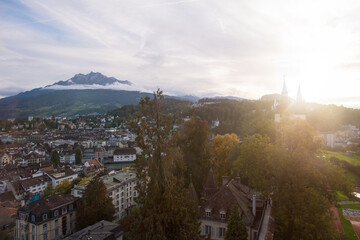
x: 43, y: 205
x: 99, y: 231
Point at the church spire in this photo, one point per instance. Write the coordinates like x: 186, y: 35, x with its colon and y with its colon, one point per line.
x: 298, y: 96
x: 284, y: 91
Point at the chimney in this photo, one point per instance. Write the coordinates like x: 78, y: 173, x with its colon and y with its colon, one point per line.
x: 225, y: 180
x: 102, y: 224
x: 254, y: 205
x: 238, y: 180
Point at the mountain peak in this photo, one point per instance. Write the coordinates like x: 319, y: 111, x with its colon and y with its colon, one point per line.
x: 92, y: 78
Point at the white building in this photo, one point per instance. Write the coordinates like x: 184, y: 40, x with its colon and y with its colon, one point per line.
x: 120, y: 187
x: 58, y: 176
x: 124, y: 155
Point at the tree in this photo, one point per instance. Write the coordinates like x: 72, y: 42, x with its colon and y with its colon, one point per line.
x: 78, y: 155
x: 55, y: 158
x: 236, y: 229
x: 222, y: 146
x: 301, y: 184
x: 165, y: 209
x: 48, y: 190
x: 95, y: 205
x: 194, y: 142
x: 64, y: 187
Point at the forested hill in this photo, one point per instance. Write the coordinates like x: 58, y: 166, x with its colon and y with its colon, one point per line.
x: 40, y: 102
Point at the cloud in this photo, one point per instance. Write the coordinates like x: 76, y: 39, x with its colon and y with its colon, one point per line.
x: 185, y: 46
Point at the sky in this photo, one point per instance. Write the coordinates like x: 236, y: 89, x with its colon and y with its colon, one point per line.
x: 194, y: 47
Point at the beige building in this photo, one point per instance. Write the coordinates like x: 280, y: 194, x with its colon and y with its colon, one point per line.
x: 5, y: 159
x: 216, y: 203
x: 51, y: 217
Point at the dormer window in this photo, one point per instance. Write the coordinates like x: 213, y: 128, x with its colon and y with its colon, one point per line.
x: 71, y: 207
x: 56, y: 213
x: 33, y: 218
x: 64, y: 210
x: 208, y: 212
x: 44, y: 217
x: 222, y: 215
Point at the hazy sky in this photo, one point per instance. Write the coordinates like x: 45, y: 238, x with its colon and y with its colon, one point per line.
x: 200, y: 47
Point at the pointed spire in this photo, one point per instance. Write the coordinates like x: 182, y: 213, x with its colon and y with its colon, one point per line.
x: 284, y: 91
x: 299, y: 97
x: 210, y: 181
x: 192, y: 193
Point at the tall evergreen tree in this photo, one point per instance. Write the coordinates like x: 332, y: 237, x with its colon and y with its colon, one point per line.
x: 95, y: 205
x: 78, y: 155
x: 194, y: 142
x: 166, y: 211
x: 55, y: 158
x: 236, y: 229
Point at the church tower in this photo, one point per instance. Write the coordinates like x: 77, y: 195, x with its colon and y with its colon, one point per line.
x: 284, y: 91
x: 299, y: 96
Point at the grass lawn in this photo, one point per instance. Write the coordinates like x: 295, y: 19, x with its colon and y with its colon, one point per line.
x: 351, y: 206
x: 341, y: 197
x: 355, y: 160
x: 348, y: 228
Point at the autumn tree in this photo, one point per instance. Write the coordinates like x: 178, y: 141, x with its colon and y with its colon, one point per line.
x: 194, y: 142
x: 301, y: 184
x: 165, y: 211
x: 236, y: 229
x: 222, y: 146
x: 64, y: 187
x: 49, y: 190
x: 78, y: 155
x: 55, y: 158
x: 265, y: 127
x: 95, y: 205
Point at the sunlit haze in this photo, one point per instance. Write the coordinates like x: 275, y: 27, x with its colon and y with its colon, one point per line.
x: 197, y: 47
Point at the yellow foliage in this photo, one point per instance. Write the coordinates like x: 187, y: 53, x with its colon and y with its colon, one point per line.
x: 222, y: 146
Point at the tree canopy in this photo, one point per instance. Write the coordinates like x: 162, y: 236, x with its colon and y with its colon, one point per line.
x: 222, y: 146
x: 302, y: 185
x: 78, y: 155
x: 194, y: 142
x: 95, y: 205
x: 236, y: 229
x: 55, y: 158
x: 165, y: 210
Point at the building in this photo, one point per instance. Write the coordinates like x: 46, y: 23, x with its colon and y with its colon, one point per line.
x: 51, y: 217
x: 103, y: 230
x: 35, y: 186
x: 57, y: 176
x: 67, y: 157
x: 93, y: 168
x: 124, y: 155
x: 5, y: 159
x: 216, y: 203
x: 120, y: 187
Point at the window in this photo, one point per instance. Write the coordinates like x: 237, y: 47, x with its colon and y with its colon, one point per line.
x: 222, y: 215
x: 64, y: 210
x: 221, y: 232
x: 45, y: 233
x: 56, y: 213
x: 44, y: 217
x: 207, y: 229
x: 33, y: 218
x: 56, y: 228
x: 71, y: 207
x: 33, y: 232
x: 208, y: 212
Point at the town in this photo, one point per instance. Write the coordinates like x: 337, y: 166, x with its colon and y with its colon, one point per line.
x: 48, y: 165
